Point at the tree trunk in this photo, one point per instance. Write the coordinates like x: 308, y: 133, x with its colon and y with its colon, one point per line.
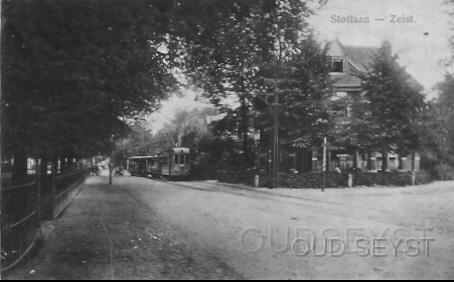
x: 401, y: 166
x: 384, y: 159
x: 369, y: 161
x: 44, y: 179
x: 19, y: 171
x: 355, y: 160
x: 244, y: 128
x: 39, y: 189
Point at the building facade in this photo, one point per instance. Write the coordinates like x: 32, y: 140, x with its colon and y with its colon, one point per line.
x: 296, y: 154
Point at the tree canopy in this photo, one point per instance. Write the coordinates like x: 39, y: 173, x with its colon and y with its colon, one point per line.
x: 389, y: 106
x: 73, y: 71
x: 257, y: 47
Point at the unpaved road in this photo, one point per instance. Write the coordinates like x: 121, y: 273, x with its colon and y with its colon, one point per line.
x: 233, y: 224
x: 222, y: 231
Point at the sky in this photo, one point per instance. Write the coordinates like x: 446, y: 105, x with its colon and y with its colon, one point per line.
x: 185, y: 99
x: 420, y: 44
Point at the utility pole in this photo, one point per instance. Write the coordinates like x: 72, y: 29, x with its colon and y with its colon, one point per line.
x: 325, y: 145
x: 276, y: 150
x: 272, y: 102
x: 110, y: 159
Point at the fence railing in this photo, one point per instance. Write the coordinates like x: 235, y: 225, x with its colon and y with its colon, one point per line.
x: 67, y: 187
x: 20, y: 227
x: 22, y: 207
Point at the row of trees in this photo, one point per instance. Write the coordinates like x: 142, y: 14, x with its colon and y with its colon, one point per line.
x: 77, y: 72
x: 74, y: 72
x: 390, y: 115
x: 267, y: 47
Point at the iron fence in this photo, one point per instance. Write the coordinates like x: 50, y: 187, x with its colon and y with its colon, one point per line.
x: 20, y: 227
x: 22, y: 207
x: 67, y: 187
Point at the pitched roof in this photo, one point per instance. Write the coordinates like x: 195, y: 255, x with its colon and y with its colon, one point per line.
x: 359, y: 56
x: 345, y: 81
x: 358, y: 59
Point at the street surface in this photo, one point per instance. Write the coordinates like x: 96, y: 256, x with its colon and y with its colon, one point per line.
x: 143, y: 228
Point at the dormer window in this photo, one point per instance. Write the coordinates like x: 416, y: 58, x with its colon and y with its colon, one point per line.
x: 337, y: 64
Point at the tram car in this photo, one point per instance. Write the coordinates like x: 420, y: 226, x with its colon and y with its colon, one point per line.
x: 137, y: 165
x: 173, y: 163
x: 153, y: 166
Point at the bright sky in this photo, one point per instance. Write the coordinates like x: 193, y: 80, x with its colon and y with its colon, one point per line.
x: 186, y: 99
x: 419, y: 52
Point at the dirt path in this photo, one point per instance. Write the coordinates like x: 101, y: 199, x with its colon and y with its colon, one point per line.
x: 107, y: 234
x: 141, y: 228
x: 215, y: 218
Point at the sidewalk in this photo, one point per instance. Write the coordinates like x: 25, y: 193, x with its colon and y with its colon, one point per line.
x: 106, y: 234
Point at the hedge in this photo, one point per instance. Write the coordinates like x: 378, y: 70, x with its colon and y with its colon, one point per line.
x: 332, y: 179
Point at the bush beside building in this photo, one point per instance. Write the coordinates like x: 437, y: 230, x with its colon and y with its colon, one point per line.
x: 317, y: 180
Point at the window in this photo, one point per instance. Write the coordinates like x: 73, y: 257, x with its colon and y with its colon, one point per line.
x: 165, y: 160
x: 181, y: 159
x: 175, y: 159
x: 337, y: 65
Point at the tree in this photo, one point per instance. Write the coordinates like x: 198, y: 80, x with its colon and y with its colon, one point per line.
x: 251, y: 49
x: 303, y: 82
x: 446, y: 102
x: 443, y: 115
x: 75, y: 71
x: 389, y: 107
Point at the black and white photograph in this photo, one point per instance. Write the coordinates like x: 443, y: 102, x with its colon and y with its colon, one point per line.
x: 227, y: 139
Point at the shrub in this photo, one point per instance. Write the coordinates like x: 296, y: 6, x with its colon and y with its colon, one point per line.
x: 286, y: 180
x: 332, y: 179
x: 236, y: 177
x: 382, y: 179
x: 423, y: 177
x: 444, y: 172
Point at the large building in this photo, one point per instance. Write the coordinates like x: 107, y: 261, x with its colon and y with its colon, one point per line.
x: 299, y: 155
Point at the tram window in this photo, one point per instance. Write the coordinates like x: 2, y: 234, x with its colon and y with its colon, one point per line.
x: 185, y: 159
x: 175, y: 159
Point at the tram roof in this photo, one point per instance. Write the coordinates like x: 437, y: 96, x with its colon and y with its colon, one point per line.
x: 142, y: 157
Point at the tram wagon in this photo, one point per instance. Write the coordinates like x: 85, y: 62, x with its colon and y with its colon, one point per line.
x: 142, y: 165
x: 174, y: 163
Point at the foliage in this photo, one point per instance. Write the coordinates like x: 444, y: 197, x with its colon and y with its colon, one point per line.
x: 74, y: 72
x: 446, y: 114
x: 332, y: 179
x: 437, y: 131
x: 303, y: 85
x: 186, y: 129
x: 444, y: 172
x: 139, y: 142
x: 255, y: 46
x: 389, y: 107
